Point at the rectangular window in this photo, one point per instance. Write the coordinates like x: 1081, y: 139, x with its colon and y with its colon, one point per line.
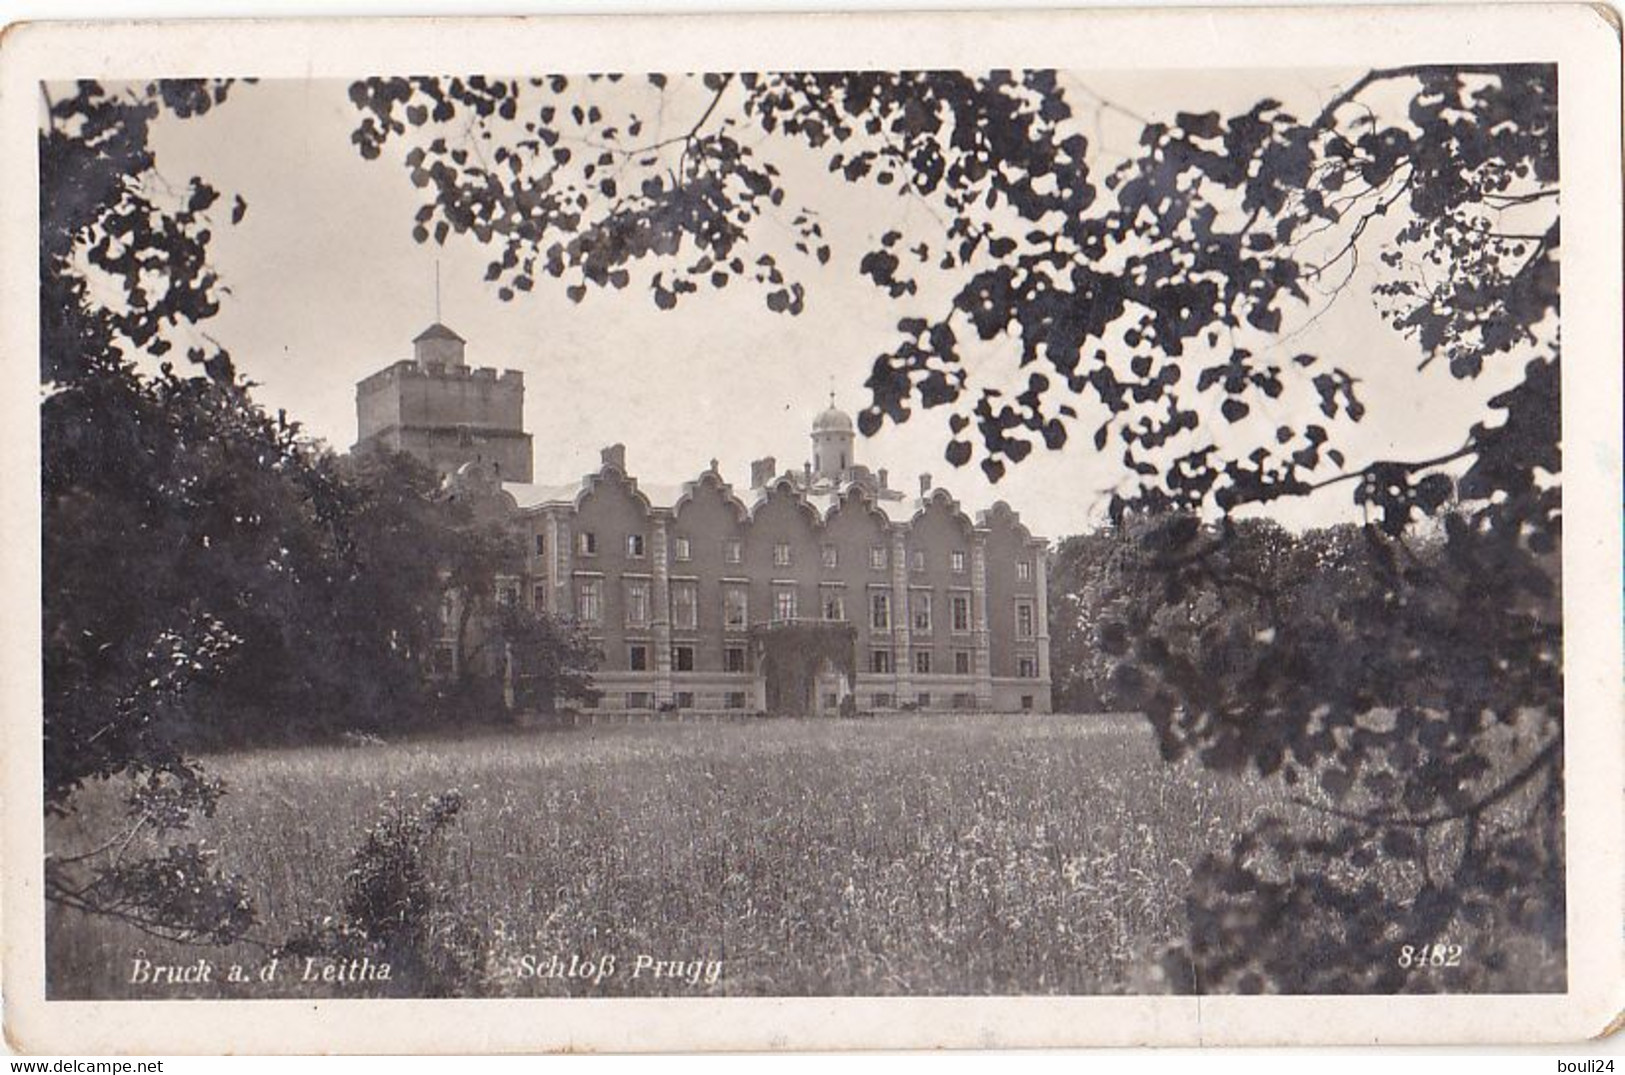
x: 735, y: 608
x: 961, y: 604
x: 1024, y: 570
x: 961, y: 663
x: 507, y: 594
x: 685, y: 699
x: 916, y: 560
x: 922, y: 661
x: 634, y: 546
x: 541, y: 544
x: 680, y: 549
x: 956, y: 561
x: 637, y: 658
x: 733, y: 659
x: 882, y: 701
x: 639, y: 700
x: 1024, y: 620
x: 880, y: 661
x: 1027, y: 667
x: 539, y: 597
x: 784, y: 605
x: 877, y: 557
x: 923, y: 700
x: 682, y: 658
x: 445, y: 660
x: 920, y: 606
x: 834, y: 606
x: 684, y: 606
x: 587, y: 543
x: 880, y: 611
x: 781, y: 554
x: 733, y: 700
x: 832, y: 557
x: 964, y: 701
x: 732, y: 551
x: 1026, y: 703
x: 637, y: 603
x: 590, y: 601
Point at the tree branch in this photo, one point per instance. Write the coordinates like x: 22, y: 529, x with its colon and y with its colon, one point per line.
x: 1425, y: 464
x: 1383, y: 74
x: 1351, y: 246
x: 66, y: 897
x: 1532, y: 768
x: 716, y: 98
x: 1503, y: 201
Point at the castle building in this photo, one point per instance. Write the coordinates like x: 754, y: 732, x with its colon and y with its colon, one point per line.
x: 817, y: 590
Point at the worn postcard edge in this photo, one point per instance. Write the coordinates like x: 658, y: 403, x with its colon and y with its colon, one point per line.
x: 1582, y: 39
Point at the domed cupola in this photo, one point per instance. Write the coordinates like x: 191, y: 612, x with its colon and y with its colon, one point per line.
x: 832, y: 440
x: 833, y: 420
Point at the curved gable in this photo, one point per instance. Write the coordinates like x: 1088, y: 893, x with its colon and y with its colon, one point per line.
x: 783, y: 497
x: 856, y: 500
x: 1002, y: 516
x: 940, y: 502
x: 709, y: 488
x: 611, y: 480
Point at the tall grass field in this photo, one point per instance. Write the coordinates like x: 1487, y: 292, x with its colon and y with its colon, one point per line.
x: 968, y: 855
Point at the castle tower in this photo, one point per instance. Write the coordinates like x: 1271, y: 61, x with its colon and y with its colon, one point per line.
x: 439, y: 409
x: 833, y: 439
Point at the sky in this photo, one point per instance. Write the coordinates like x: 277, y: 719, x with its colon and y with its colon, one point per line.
x: 327, y: 286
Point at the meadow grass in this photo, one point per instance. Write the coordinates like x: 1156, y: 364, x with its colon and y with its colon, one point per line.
x: 1027, y: 854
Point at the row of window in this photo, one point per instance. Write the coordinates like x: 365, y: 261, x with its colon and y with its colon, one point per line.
x: 783, y: 553
x: 738, y: 700
x: 680, y: 700
x: 923, y: 700
x: 682, y: 658
x: 736, y: 607
x: 880, y: 661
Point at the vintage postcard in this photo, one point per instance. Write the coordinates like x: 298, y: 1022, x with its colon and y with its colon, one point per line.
x: 813, y: 531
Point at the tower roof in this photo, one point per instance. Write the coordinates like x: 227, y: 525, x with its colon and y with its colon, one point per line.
x: 833, y: 420
x: 437, y: 331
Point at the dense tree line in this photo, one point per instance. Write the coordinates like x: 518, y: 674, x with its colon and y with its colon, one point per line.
x: 1355, y: 671
x: 212, y: 577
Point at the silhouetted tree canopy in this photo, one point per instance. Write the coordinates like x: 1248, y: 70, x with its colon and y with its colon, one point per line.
x: 211, y: 576
x: 1409, y: 682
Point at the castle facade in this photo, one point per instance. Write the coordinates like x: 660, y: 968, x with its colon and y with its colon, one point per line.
x: 816, y: 590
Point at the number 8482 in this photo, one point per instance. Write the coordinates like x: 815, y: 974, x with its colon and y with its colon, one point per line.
x: 1430, y: 955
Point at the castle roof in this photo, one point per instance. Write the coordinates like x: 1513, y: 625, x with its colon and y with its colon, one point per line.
x: 437, y: 331
x: 824, y: 501
x: 530, y: 494
x: 823, y: 496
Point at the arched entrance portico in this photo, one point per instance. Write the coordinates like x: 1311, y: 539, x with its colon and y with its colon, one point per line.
x: 803, y: 661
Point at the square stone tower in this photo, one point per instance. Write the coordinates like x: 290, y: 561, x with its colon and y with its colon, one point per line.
x: 437, y: 408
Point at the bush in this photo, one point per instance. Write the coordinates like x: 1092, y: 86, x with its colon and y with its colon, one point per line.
x: 396, y: 912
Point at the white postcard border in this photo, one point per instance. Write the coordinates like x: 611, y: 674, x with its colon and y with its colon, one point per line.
x: 1581, y: 39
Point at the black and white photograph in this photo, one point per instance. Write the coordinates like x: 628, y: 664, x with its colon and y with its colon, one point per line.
x: 725, y: 530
